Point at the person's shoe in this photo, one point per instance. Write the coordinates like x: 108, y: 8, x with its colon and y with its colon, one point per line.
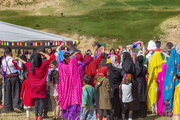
x: 36, y: 118
x: 17, y: 110
x: 40, y: 118
x: 27, y: 118
x: 1, y: 106
x: 45, y: 116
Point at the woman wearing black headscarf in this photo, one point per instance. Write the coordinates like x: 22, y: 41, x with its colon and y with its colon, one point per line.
x: 141, y: 71
x: 127, y: 64
x: 115, y: 80
x: 128, y: 67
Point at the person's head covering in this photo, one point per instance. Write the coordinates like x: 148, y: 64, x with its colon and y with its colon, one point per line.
x: 36, y: 61
x: 178, y: 49
x: 151, y: 45
x: 101, y: 74
x: 139, y: 65
x: 79, y: 57
x: 127, y: 79
x: 128, y: 65
x: 87, y: 59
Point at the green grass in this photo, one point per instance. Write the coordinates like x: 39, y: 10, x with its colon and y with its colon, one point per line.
x: 123, y: 20
x: 22, y: 116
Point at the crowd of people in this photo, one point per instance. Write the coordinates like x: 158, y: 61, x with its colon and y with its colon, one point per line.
x: 119, y: 84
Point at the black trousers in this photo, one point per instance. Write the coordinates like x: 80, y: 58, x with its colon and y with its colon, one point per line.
x: 46, y: 104
x: 143, y: 109
x: 39, y: 104
x: 116, y: 105
x: 12, y: 94
x: 127, y: 106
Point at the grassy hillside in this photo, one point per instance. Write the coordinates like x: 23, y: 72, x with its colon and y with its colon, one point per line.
x: 123, y: 20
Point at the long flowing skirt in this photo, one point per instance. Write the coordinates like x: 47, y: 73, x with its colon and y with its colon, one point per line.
x: 176, y: 105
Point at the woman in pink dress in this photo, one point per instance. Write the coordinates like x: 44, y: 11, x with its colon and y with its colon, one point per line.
x: 160, y: 93
x: 70, y: 88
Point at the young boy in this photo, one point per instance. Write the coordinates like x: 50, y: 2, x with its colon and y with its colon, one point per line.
x: 87, y: 108
x: 103, y: 86
x: 126, y: 95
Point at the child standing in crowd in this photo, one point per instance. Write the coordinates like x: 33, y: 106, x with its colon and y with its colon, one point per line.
x: 53, y: 82
x: 126, y: 95
x: 104, y: 93
x: 87, y: 108
x: 25, y: 95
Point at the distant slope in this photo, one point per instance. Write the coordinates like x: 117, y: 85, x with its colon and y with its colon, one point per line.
x: 112, y: 21
x: 79, y: 7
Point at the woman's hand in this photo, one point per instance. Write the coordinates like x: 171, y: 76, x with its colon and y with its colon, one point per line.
x: 46, y: 55
x: 76, y: 52
x: 142, y: 44
x: 174, y: 78
x: 16, y: 59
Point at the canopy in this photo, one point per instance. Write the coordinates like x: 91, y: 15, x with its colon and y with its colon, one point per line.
x: 16, y: 36
x: 15, y: 33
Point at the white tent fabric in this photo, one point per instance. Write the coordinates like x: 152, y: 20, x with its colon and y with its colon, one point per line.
x: 15, y: 33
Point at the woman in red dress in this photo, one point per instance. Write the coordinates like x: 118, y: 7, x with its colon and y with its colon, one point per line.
x: 37, y: 73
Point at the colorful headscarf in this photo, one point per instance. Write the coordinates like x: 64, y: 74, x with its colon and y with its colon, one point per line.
x: 126, y: 80
x: 101, y: 74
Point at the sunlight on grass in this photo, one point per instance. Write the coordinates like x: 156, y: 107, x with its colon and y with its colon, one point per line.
x: 125, y: 26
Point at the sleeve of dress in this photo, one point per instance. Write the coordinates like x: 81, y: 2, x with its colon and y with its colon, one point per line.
x: 22, y: 89
x: 28, y: 66
x: 46, y: 63
x: 97, y: 61
x: 16, y: 65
